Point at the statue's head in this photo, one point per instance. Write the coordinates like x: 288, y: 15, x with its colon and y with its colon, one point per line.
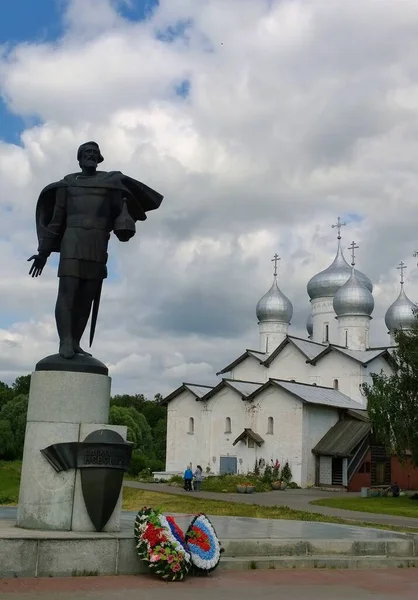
x: 89, y: 155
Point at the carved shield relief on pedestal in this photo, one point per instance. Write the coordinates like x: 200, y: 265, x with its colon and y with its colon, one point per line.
x: 102, y: 458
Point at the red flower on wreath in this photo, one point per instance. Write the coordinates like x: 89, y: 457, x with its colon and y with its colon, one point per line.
x: 154, y: 535
x: 199, y: 538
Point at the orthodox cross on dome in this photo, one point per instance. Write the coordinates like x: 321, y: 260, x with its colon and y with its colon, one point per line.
x: 275, y: 259
x: 402, y: 267
x: 338, y: 225
x: 353, y: 249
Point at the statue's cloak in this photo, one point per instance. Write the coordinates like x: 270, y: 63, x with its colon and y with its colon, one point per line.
x: 139, y: 197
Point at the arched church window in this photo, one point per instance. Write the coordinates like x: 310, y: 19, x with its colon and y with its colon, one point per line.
x: 191, y: 425
x: 326, y: 332
x: 335, y: 384
x: 228, y: 425
x: 270, y: 425
x: 346, y: 338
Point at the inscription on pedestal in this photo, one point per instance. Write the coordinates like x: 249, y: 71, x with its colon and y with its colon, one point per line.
x: 107, y: 455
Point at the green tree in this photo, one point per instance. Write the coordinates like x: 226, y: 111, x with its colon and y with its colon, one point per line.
x: 7, y: 441
x: 139, y: 432
x: 136, y: 401
x: 392, y: 400
x: 159, y: 435
x: 14, y: 412
x: 21, y: 385
x: 153, y: 412
x: 6, y: 393
x: 153, y: 428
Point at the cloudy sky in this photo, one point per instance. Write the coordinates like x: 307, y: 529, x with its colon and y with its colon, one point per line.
x: 260, y: 121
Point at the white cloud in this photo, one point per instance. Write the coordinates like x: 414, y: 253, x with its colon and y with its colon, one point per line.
x: 299, y: 111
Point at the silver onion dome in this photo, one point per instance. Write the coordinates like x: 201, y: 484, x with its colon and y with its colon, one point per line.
x: 326, y: 283
x: 400, y: 315
x: 274, y: 306
x: 353, y: 298
x: 309, y: 325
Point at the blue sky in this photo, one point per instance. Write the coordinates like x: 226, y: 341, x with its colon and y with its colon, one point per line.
x: 38, y: 21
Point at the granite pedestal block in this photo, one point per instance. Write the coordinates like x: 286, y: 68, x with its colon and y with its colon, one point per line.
x: 63, y: 407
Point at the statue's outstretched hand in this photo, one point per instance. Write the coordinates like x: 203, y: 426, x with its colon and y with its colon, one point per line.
x: 39, y: 261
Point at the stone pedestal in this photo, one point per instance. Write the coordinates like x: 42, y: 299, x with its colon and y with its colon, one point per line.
x: 63, y: 407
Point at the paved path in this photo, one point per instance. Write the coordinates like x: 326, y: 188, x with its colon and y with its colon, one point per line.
x: 228, y: 529
x: 401, y: 584
x: 296, y: 499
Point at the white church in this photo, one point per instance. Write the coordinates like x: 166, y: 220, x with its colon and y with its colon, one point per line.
x: 294, y: 399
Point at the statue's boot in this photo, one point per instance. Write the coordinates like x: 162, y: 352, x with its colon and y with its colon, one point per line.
x: 79, y: 350
x: 66, y: 349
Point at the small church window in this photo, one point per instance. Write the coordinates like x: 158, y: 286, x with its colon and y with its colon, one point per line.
x: 335, y: 384
x: 191, y: 425
x: 250, y: 443
x: 326, y: 333
x: 270, y: 425
x: 346, y: 338
x: 228, y: 425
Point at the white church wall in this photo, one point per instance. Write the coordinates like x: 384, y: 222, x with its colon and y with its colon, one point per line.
x: 317, y: 420
x: 354, y: 332
x: 285, y: 443
x: 336, y: 367
x: 325, y: 326
x: 332, y: 368
x: 227, y: 403
x: 183, y: 444
x: 249, y: 370
x: 272, y: 335
x: 290, y: 364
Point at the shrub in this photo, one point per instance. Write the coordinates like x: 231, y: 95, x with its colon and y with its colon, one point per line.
x: 176, y: 479
x: 141, y: 464
x: 293, y: 486
x: 228, y: 483
x: 267, y: 475
x: 138, y: 463
x: 286, y: 472
x: 155, y: 465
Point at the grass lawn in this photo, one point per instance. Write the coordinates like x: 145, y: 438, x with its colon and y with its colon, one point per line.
x: 402, y: 506
x: 9, y: 481
x: 135, y: 499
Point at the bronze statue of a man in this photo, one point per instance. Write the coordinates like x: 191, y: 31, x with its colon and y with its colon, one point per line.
x: 75, y: 217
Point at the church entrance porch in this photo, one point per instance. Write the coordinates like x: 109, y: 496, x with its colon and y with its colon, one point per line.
x: 331, y: 471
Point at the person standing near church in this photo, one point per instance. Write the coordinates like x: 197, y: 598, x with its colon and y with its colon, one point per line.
x: 198, y: 476
x: 188, y: 478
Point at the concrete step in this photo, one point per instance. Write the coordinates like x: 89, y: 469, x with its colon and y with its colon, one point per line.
x: 246, y: 563
x: 402, y: 547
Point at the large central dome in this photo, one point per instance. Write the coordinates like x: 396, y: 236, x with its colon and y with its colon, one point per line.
x: 326, y: 283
